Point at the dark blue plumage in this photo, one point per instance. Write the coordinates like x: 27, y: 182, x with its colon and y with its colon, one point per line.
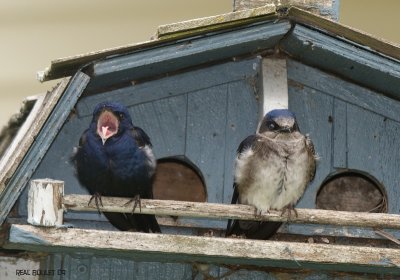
x: 114, y: 158
x: 272, y: 169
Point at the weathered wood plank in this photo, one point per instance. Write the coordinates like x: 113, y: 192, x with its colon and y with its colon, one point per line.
x: 325, y: 8
x: 177, y: 248
x: 359, y: 37
x: 45, y: 202
x: 42, y: 133
x: 25, y: 139
x: 339, y: 120
x: 371, y: 148
x: 343, y: 58
x: 28, y: 132
x: 205, y: 136
x: 170, y: 86
x: 229, y: 211
x: 242, y: 107
x: 344, y: 90
x: 313, y: 110
x: 214, y: 23
x: 168, y: 59
x: 274, y: 85
x: 164, y: 120
x: 11, y: 133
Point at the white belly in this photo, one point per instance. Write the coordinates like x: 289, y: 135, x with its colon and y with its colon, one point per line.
x: 273, y: 182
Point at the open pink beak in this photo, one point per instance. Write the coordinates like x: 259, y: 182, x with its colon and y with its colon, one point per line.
x: 107, y: 125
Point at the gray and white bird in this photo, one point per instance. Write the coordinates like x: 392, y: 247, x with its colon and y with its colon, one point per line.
x: 272, y: 170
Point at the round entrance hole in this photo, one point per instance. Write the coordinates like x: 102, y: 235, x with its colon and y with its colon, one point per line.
x: 352, y: 190
x: 178, y: 179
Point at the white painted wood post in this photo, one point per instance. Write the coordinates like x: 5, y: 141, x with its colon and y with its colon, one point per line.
x: 45, y: 202
x: 274, y: 85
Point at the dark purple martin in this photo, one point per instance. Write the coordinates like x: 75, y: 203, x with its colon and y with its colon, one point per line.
x: 115, y: 158
x: 272, y: 169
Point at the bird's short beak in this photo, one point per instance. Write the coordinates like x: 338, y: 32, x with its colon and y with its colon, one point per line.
x: 107, y: 125
x: 286, y: 124
x: 286, y: 129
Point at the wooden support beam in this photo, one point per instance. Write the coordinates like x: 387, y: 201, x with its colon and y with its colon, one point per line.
x: 274, y: 85
x: 178, y: 248
x: 228, y: 211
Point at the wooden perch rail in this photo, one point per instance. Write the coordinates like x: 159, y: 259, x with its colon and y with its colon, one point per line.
x: 180, y: 248
x: 228, y: 211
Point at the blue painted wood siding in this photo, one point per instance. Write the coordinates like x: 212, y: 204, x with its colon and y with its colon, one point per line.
x: 202, y: 115
x: 364, y: 133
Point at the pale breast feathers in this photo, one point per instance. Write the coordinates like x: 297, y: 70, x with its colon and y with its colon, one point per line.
x: 273, y: 173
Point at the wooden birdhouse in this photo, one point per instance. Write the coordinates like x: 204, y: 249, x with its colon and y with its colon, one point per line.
x: 198, y: 89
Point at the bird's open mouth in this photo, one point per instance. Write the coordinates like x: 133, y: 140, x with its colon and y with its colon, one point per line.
x: 107, y: 125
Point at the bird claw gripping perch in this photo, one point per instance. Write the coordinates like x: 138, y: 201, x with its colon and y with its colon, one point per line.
x: 136, y: 200
x: 289, y: 210
x: 97, y: 198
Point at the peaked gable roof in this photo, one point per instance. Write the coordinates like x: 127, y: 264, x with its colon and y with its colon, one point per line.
x: 309, y: 38
x: 171, y: 33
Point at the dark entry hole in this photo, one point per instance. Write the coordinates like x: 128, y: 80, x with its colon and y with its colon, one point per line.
x: 178, y: 179
x: 352, y: 190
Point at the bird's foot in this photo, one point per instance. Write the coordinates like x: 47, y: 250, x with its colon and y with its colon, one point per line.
x: 136, y: 200
x: 289, y: 208
x: 97, y: 200
x: 258, y: 213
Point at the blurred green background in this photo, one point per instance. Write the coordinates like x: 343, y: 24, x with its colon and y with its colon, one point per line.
x: 35, y: 32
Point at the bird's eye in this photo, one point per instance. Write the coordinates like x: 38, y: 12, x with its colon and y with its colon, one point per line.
x: 271, y: 126
x: 121, y: 116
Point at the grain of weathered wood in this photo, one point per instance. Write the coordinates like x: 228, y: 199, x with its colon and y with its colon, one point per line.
x: 339, y: 120
x: 164, y: 120
x: 51, y: 118
x: 228, y: 211
x: 171, y: 58
x: 27, y: 133
x: 206, y: 136
x: 343, y: 58
x: 22, y: 142
x: 44, y: 202
x: 371, y: 148
x: 325, y: 8
x: 242, y: 119
x: 171, y: 86
x: 344, y: 90
x: 162, y: 247
x: 365, y: 128
x: 357, y: 36
x: 274, y: 85
x: 312, y: 111
x: 213, y: 23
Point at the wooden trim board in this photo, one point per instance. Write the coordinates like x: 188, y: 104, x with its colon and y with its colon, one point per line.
x: 177, y: 248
